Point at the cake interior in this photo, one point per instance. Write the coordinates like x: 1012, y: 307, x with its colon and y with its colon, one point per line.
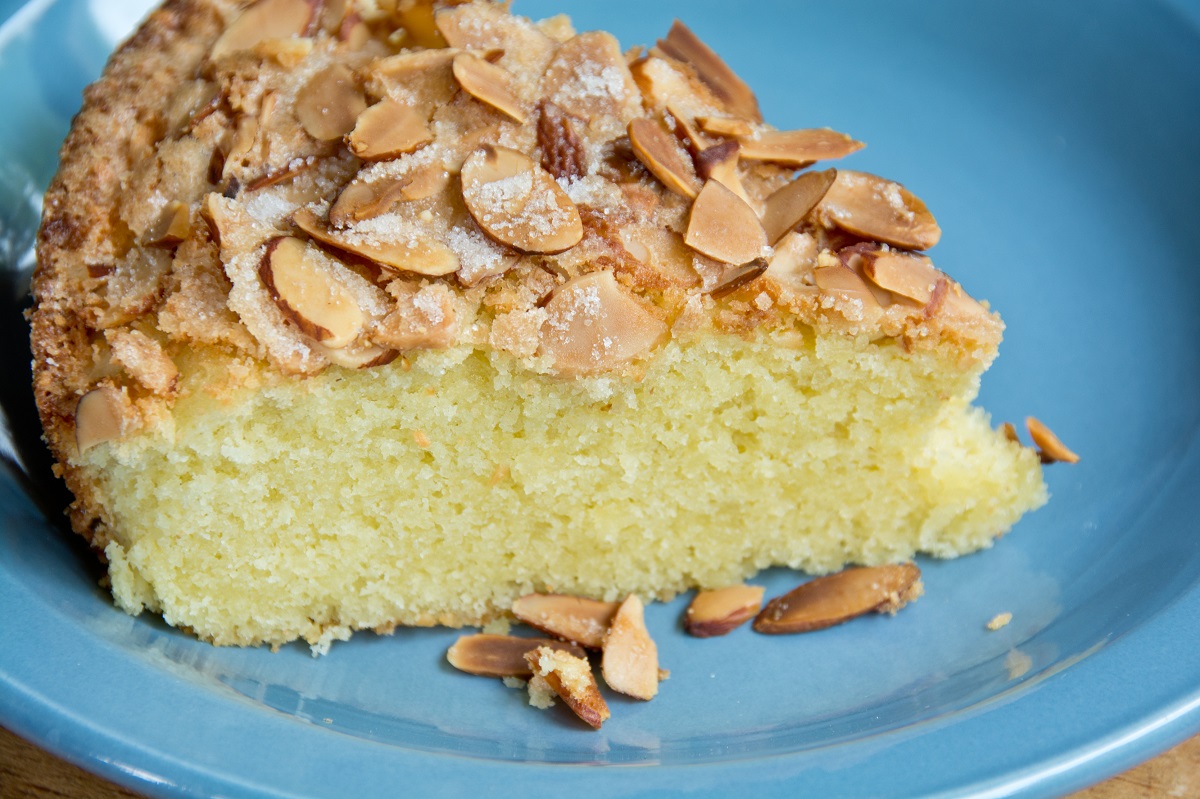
x: 438, y: 488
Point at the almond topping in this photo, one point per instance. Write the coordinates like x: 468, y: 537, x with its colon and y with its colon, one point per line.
x: 576, y: 619
x: 594, y: 325
x: 563, y: 155
x: 361, y: 200
x: 306, y: 290
x: 721, y: 611
x: 571, y: 678
x: 386, y: 130
x: 720, y: 163
x: 835, y: 598
x: 501, y: 655
x: 1010, y: 432
x: 1049, y: 447
x: 722, y: 226
x: 737, y: 277
x: 518, y: 203
x: 174, y: 225
x: 842, y: 280
x: 100, y: 417
x: 685, y: 46
x: 798, y: 148
x: 661, y: 153
x: 330, y: 103
x: 423, y: 256
x: 881, y: 210
x: 788, y: 206
x: 630, y: 660
x: 266, y: 19
x: 417, y: 17
x: 359, y: 357
x: 725, y: 126
x: 906, y: 274
x: 488, y: 83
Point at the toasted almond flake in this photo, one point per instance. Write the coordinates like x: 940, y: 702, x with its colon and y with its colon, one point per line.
x: 308, y: 293
x: 723, y: 610
x: 880, y: 210
x: 489, y: 84
x: 359, y: 357
x: 362, y: 199
x: 1010, y: 432
x: 682, y: 44
x: 630, y: 660
x: 173, y: 225
x: 720, y: 163
x: 563, y: 153
x: 501, y: 655
x: 725, y: 126
x: 422, y: 256
x: 738, y: 277
x: 386, y: 130
x: 418, y: 19
x: 661, y: 153
x: 576, y: 619
x: 266, y: 19
x: 999, y: 620
x: 909, y: 275
x: 330, y: 103
x: 788, y: 206
x: 723, y: 227
x: 100, y: 416
x: 836, y: 598
x: 594, y: 325
x: 844, y: 281
x: 686, y: 132
x: 518, y: 203
x: 798, y: 148
x: 571, y: 678
x: 1051, y: 449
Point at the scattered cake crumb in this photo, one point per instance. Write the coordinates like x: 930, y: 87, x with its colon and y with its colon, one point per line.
x: 999, y: 620
x: 541, y: 695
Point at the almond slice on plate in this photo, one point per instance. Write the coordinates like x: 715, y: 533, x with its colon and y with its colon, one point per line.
x: 723, y: 227
x: 423, y: 256
x: 572, y: 618
x: 386, y: 130
x: 880, y: 210
x: 488, y: 83
x: 835, y: 598
x: 684, y: 45
x: 723, y: 610
x: 330, y: 103
x: 593, y: 324
x: 571, y: 678
x: 630, y: 660
x: 661, y: 153
x: 789, y: 205
x: 100, y: 416
x: 798, y: 148
x: 501, y: 655
x: 307, y: 291
x: 518, y: 203
x: 266, y: 19
x: 1049, y: 446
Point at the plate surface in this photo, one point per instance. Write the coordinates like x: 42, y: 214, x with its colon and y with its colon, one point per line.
x: 1059, y: 154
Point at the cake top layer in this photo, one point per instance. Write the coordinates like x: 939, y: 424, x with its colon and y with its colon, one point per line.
x: 314, y: 184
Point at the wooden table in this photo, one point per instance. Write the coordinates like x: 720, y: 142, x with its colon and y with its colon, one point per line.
x: 29, y: 773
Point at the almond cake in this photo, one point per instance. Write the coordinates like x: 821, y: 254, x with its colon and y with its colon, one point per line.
x: 364, y: 313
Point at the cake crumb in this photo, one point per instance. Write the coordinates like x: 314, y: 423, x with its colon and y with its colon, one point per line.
x: 501, y: 625
x: 1018, y: 664
x: 999, y: 620
x: 514, y: 682
x: 541, y: 695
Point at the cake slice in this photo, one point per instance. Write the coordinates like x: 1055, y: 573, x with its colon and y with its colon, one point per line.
x: 352, y: 315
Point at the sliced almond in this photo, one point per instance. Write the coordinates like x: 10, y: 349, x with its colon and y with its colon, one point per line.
x: 630, y: 660
x: 501, y: 655
x: 737, y: 277
x: 359, y: 357
x: 266, y: 19
x: 422, y: 256
x: 417, y: 17
x: 661, y: 153
x: 362, y: 199
x: 835, y: 598
x: 386, y: 130
x: 594, y: 325
x: 719, y: 612
x: 488, y: 83
x: 563, y: 155
x: 798, y: 148
x: 1010, y: 432
x: 571, y: 678
x: 330, y: 103
x: 1049, y: 447
x: 843, y: 281
x: 306, y: 290
x: 720, y: 163
x: 173, y: 225
x: 725, y: 126
x: 880, y: 210
x: 789, y: 205
x: 685, y: 46
x: 576, y: 619
x: 686, y: 132
x: 518, y: 203
x: 909, y: 275
x: 100, y: 416
x: 723, y: 227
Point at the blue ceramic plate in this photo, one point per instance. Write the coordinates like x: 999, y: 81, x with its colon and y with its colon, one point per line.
x: 1057, y: 143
